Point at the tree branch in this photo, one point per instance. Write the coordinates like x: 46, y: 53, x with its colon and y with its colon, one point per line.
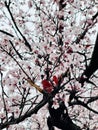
x: 15, y: 50
x: 82, y: 35
x: 6, y: 33
x: 24, y: 38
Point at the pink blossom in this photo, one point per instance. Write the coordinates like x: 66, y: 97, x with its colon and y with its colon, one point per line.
x: 42, y: 25
x: 89, y: 21
x: 30, y: 4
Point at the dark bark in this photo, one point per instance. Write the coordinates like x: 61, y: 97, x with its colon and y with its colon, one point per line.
x: 93, y: 65
x: 60, y: 119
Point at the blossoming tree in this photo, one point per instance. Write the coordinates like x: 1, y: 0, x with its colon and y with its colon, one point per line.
x: 48, y: 64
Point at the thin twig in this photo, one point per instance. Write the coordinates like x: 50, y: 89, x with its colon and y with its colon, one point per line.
x: 24, y: 38
x: 3, y: 98
x: 15, y: 50
x: 9, y: 34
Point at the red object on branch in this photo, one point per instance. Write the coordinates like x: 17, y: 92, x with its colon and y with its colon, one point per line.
x: 55, y: 79
x: 47, y: 86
